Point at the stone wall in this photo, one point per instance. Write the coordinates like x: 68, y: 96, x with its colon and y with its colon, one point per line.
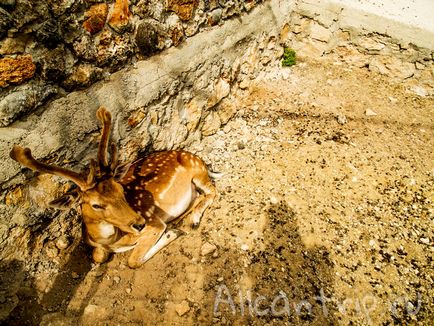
x: 49, y: 48
x: 400, y: 51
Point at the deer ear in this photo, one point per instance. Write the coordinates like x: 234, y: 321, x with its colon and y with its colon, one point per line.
x: 121, y: 170
x: 65, y: 201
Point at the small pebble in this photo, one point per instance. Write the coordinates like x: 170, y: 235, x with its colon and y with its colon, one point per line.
x: 341, y: 119
x: 62, y: 243
x: 370, y: 113
x: 208, y: 248
x: 182, y: 308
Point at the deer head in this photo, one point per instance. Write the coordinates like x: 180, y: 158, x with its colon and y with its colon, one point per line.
x: 99, y: 192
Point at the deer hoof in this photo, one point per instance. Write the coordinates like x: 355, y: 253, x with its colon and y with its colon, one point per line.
x: 100, y: 255
x: 133, y: 264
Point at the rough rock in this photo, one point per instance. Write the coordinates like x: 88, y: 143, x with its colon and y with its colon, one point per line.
x: 48, y: 33
x: 211, y: 124
x: 61, y: 7
x: 249, y: 5
x: 352, y: 56
x: 227, y: 109
x: 5, y: 22
x: 7, y: 3
x: 215, y: 16
x: 191, y: 114
x: 16, y: 71
x: 370, y: 113
x: 96, y: 18
x: 207, y: 249
x: 82, y: 75
x: 371, y: 45
x: 419, y: 90
x: 149, y: 9
x: 58, y: 319
x: 14, y: 45
x: 85, y: 48
x: 183, y: 8
x: 56, y: 64
x: 62, y: 242
x: 221, y: 90
x: 320, y: 33
x: 93, y: 312
x: 182, y: 308
x: 120, y: 16
x: 23, y: 99
x: 245, y: 83
x: 177, y: 34
x: 147, y: 39
x: 392, y: 66
x: 342, y: 119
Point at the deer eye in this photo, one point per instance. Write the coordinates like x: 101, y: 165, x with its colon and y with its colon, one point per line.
x: 97, y: 207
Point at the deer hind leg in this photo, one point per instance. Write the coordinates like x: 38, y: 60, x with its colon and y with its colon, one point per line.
x: 206, y: 188
x: 151, y: 240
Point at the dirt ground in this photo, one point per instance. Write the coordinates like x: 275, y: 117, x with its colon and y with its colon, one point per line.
x: 324, y: 217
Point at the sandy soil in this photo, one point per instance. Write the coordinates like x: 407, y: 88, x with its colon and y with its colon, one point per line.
x: 324, y: 216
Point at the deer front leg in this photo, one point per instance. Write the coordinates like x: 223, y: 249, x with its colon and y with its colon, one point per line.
x: 150, y: 241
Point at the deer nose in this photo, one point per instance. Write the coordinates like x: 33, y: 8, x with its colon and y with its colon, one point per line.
x: 139, y: 227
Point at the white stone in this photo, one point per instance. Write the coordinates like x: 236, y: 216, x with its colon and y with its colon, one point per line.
x: 244, y: 84
x: 245, y: 247
x: 208, y: 248
x: 274, y: 200
x: 182, y: 308
x: 370, y: 113
x: 419, y: 90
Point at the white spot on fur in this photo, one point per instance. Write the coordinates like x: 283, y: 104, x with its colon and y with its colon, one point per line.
x: 106, y: 230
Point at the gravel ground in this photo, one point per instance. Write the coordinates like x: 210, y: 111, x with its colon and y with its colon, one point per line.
x: 324, y: 216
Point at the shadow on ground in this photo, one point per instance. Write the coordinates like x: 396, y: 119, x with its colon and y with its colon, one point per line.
x: 23, y: 305
x: 288, y: 282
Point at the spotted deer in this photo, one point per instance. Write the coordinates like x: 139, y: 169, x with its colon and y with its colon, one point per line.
x: 127, y: 206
